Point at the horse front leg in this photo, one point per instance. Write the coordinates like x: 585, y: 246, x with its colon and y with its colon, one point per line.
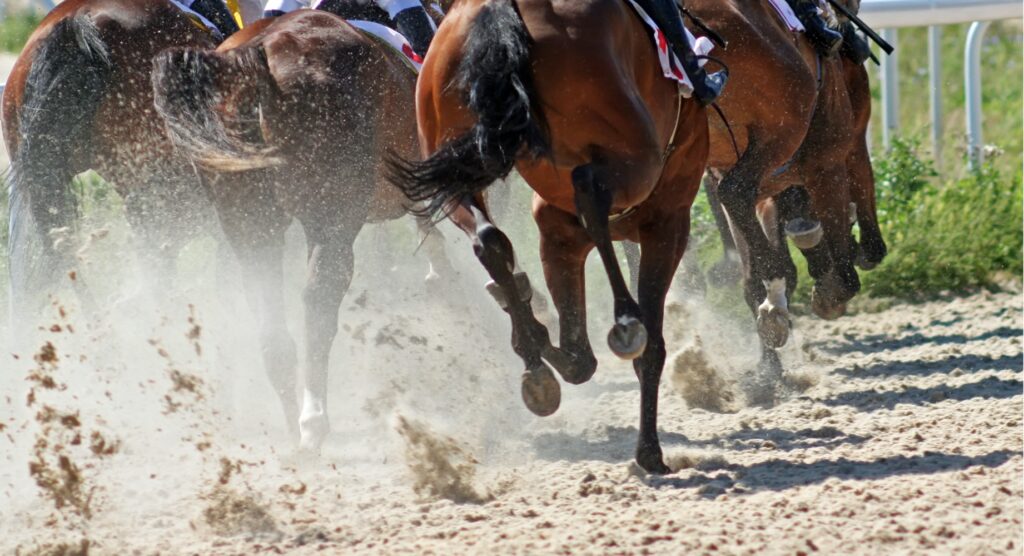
x: 661, y: 250
x: 512, y: 290
x: 564, y: 246
x: 593, y: 195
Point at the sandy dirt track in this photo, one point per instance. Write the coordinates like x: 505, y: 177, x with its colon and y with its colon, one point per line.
x: 900, y: 434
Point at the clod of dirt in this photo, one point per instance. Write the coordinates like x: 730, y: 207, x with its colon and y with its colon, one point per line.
x: 80, y: 548
x: 700, y: 383
x: 694, y: 460
x: 440, y: 468
x: 231, y: 513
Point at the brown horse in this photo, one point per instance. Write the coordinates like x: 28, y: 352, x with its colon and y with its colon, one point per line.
x: 290, y: 118
x: 799, y: 122
x: 79, y: 98
x: 611, y: 149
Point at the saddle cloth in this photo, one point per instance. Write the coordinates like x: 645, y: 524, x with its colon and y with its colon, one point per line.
x: 787, y: 15
x: 671, y: 67
x: 197, y: 18
x: 383, y: 33
x: 390, y: 37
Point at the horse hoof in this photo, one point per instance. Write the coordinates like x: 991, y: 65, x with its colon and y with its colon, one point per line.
x: 864, y: 263
x: 805, y: 234
x: 773, y: 326
x: 541, y: 392
x: 827, y: 311
x: 312, y: 432
x: 652, y: 462
x: 628, y: 338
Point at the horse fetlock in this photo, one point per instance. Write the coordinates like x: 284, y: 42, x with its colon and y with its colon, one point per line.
x: 540, y: 390
x: 805, y: 233
x: 627, y: 338
x: 773, y: 322
x: 313, y: 422
x: 574, y: 367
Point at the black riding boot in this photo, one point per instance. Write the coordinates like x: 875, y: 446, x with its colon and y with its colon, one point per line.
x: 854, y: 47
x: 706, y: 88
x: 825, y: 39
x: 415, y: 24
x: 218, y: 14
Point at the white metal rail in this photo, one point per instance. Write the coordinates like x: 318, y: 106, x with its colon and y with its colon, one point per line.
x: 888, y: 15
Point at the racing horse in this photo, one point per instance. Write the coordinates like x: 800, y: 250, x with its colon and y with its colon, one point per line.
x: 571, y: 95
x: 290, y: 118
x: 794, y: 163
x: 799, y: 119
x: 78, y: 98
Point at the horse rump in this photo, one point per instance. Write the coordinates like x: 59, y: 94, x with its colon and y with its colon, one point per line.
x: 497, y: 80
x: 192, y: 90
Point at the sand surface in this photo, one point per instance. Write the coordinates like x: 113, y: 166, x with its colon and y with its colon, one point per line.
x: 899, y: 432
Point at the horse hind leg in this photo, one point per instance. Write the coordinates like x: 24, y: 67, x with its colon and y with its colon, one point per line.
x: 628, y: 337
x: 256, y: 231
x: 530, y: 339
x: 329, y: 274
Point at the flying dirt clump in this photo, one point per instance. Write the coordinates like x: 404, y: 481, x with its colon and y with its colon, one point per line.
x: 230, y: 512
x: 60, y: 443
x: 440, y: 468
x: 700, y: 383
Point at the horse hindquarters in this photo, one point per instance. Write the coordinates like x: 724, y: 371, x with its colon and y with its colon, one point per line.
x: 67, y: 80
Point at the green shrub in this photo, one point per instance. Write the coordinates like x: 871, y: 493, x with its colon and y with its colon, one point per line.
x: 15, y: 29
x: 951, y: 237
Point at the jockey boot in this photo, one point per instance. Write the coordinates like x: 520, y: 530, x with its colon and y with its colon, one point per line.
x: 416, y: 26
x: 824, y: 38
x: 218, y: 14
x: 854, y: 47
x: 706, y: 88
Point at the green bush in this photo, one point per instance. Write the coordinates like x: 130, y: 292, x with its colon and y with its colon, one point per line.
x: 952, y: 237
x: 15, y: 29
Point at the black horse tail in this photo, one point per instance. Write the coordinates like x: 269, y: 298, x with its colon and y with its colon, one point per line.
x: 190, y: 88
x: 496, y: 77
x: 62, y: 93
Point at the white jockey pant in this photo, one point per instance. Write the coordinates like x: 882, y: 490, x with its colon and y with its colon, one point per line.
x: 392, y: 6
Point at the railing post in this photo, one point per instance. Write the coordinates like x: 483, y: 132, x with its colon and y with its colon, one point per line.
x: 890, y: 91
x: 935, y: 90
x: 972, y: 92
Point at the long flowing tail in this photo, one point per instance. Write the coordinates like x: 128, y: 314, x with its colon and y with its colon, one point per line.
x: 190, y: 88
x: 496, y: 77
x: 62, y: 93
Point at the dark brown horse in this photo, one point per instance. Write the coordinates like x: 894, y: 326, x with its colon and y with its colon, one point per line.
x: 79, y: 98
x: 610, y: 148
x: 803, y: 169
x: 291, y: 118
